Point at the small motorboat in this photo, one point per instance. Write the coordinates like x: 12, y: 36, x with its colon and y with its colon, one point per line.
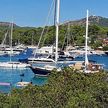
x: 22, y: 84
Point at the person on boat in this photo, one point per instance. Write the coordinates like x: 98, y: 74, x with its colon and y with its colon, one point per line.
x: 21, y: 80
x: 31, y: 82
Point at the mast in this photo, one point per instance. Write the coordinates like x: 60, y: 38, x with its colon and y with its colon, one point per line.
x: 55, y: 10
x: 11, y: 40
x: 86, y: 47
x: 57, y: 28
x: 4, y: 38
x: 68, y: 35
x: 32, y: 40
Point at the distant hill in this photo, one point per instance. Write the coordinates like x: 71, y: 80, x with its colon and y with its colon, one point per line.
x: 101, y: 21
x: 98, y: 20
x: 5, y: 24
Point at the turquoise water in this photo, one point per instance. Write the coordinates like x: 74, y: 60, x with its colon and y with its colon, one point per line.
x: 13, y: 76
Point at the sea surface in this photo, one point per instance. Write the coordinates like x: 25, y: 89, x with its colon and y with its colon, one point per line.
x: 13, y: 76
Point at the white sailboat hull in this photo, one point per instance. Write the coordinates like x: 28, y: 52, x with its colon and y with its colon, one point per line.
x: 40, y: 60
x: 13, y: 65
x: 13, y: 53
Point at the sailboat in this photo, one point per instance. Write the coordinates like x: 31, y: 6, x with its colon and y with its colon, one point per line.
x: 2, y: 46
x: 45, y: 71
x: 5, y: 49
x: 44, y: 54
x: 90, y: 67
x: 86, y: 66
x: 43, y: 59
x: 13, y: 64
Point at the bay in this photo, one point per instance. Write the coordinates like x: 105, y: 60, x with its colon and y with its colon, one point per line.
x: 13, y: 76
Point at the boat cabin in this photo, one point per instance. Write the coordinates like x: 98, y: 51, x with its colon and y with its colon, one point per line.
x: 44, y: 50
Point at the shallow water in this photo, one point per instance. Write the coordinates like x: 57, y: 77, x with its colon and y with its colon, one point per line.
x: 13, y: 76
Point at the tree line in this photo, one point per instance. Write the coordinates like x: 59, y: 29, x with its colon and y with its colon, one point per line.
x: 75, y: 35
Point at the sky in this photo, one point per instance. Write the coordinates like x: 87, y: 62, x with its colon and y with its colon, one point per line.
x: 34, y: 12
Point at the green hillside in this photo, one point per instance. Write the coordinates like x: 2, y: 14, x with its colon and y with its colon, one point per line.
x: 75, y: 33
